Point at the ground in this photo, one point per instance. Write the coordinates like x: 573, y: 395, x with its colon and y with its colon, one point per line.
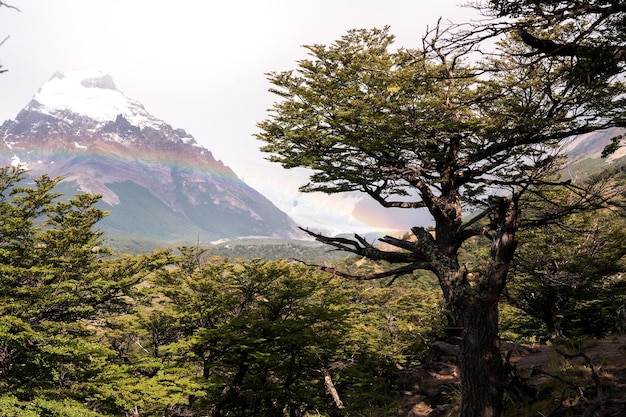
x: 543, y: 381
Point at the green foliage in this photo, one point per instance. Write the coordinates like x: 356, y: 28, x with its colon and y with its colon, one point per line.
x: 256, y: 337
x: 389, y: 122
x: 424, y: 128
x: 259, y: 332
x: 568, y: 275
x: 395, y: 323
x: 390, y: 332
x: 590, y: 34
x: 56, y: 282
x: 10, y: 406
x: 518, y: 326
x: 84, y: 333
x: 357, y: 109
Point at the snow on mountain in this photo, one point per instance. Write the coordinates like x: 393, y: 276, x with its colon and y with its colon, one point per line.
x: 92, y: 94
x: 158, y: 182
x: 82, y: 113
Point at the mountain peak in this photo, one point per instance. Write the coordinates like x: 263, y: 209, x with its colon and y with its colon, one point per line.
x: 88, y: 78
x: 89, y: 93
x: 158, y: 181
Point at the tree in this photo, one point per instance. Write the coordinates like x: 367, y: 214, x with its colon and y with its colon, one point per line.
x: 568, y: 274
x: 56, y: 283
x: 262, y: 335
x: 3, y: 4
x: 598, y: 28
x: 421, y: 129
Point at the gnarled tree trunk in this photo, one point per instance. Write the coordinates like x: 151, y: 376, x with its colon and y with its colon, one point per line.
x: 474, y: 307
x: 482, y: 370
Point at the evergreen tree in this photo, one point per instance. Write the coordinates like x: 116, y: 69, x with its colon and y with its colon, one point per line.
x: 56, y: 284
x: 261, y: 333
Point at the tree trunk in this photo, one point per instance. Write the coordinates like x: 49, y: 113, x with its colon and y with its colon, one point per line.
x: 473, y: 306
x: 482, y: 370
x: 331, y: 390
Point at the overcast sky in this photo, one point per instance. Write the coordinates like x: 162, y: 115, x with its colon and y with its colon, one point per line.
x: 197, y: 64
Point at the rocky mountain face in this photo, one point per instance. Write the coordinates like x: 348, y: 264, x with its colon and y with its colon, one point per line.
x: 158, y: 182
x: 585, y: 153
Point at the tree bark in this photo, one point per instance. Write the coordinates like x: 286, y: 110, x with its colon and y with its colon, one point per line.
x: 331, y: 391
x: 482, y: 369
x: 474, y: 307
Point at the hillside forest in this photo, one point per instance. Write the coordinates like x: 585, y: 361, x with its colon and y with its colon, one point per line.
x: 519, y: 258
x: 189, y: 331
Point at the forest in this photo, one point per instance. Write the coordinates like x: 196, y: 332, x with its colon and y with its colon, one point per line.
x: 189, y: 331
x: 520, y: 258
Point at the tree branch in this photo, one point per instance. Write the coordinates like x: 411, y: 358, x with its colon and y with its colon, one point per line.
x: 477, y: 218
x: 594, y: 374
x: 359, y: 246
x: 8, y: 6
x: 396, y: 272
x: 551, y: 48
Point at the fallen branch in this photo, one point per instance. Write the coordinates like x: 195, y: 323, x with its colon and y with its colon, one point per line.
x: 536, y: 370
x: 594, y: 374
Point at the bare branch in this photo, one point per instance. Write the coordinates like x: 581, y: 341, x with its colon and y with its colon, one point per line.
x: 594, y: 374
x: 3, y: 4
x: 397, y: 204
x: 399, y: 243
x: 477, y: 218
x: 536, y: 370
x: 396, y: 272
x: 359, y: 246
x: 601, y: 194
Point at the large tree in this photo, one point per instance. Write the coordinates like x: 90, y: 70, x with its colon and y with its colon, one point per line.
x: 421, y: 129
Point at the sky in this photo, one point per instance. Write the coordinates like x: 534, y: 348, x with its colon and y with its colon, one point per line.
x: 200, y: 65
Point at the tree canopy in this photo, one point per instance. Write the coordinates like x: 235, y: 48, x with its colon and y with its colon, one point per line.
x: 417, y: 129
x: 423, y: 128
x: 589, y: 33
x: 55, y: 280
x: 596, y: 27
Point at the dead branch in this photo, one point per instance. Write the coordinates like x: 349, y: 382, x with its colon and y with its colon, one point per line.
x: 535, y: 370
x: 9, y: 6
x: 331, y: 390
x: 594, y: 374
x: 396, y: 272
x: 360, y: 246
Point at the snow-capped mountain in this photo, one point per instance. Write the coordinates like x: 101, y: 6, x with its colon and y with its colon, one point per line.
x: 158, y: 182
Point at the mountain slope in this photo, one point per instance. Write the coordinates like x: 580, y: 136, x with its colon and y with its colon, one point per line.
x: 585, y: 152
x: 158, y: 181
